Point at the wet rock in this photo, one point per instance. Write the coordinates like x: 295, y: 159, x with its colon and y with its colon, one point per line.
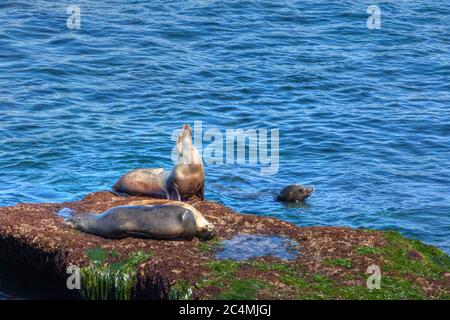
x: 65, y: 213
x: 285, y: 262
x: 247, y: 246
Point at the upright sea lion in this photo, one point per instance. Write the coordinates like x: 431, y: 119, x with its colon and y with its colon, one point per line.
x: 295, y: 193
x: 187, y: 177
x: 167, y: 221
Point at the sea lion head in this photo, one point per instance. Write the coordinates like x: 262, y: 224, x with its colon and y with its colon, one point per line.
x: 295, y: 193
x: 187, y: 153
x: 184, y: 142
x: 80, y: 222
x: 207, y: 231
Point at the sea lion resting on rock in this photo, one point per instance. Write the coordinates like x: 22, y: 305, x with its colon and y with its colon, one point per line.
x: 174, y: 220
x: 187, y: 177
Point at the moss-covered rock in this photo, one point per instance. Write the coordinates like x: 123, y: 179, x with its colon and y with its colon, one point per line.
x: 104, y: 280
x: 409, y: 270
x: 332, y: 262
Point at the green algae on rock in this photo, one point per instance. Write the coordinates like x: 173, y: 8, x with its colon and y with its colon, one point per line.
x: 101, y: 280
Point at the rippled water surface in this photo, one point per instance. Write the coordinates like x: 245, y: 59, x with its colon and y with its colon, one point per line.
x: 363, y: 114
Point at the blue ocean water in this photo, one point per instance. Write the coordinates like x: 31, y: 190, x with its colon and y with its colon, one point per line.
x: 363, y: 114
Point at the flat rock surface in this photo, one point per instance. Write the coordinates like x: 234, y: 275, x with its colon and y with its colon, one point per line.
x: 332, y: 261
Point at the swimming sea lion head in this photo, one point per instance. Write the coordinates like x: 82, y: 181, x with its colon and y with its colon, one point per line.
x: 295, y: 193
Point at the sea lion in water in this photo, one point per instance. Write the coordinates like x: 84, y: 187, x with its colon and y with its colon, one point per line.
x: 295, y: 193
x: 187, y: 177
x: 167, y: 221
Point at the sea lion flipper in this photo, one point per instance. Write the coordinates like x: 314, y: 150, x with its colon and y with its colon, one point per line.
x: 173, y: 193
x: 118, y: 193
x: 201, y: 193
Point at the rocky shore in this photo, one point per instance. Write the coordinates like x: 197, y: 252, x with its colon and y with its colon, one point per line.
x: 331, y: 262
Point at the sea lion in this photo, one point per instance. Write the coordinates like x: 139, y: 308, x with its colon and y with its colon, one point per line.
x: 167, y: 221
x: 205, y: 229
x: 150, y: 182
x: 187, y: 177
x: 295, y: 193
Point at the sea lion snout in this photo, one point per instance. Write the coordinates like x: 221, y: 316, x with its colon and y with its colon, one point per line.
x: 309, y: 190
x: 207, y: 232
x: 185, y: 133
x: 70, y: 222
x: 186, y: 127
x: 78, y: 222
